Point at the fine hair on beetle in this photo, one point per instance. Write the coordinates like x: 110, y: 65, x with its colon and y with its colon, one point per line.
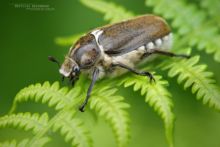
x: 114, y: 49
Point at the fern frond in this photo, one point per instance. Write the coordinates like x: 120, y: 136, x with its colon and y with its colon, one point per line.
x: 73, y: 129
x: 157, y: 96
x: 47, y: 93
x: 212, y: 7
x: 67, y: 41
x: 112, y: 12
x: 39, y: 143
x: 61, y: 98
x: 194, y: 75
x: 68, y: 126
x: 191, y: 22
x: 113, y: 109
x: 12, y: 143
x: 23, y: 143
x: 25, y: 121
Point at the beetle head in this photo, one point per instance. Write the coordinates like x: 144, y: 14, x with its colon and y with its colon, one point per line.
x: 69, y: 68
x: 83, y: 55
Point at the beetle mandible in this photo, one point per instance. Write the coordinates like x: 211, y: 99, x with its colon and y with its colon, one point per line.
x: 117, y: 48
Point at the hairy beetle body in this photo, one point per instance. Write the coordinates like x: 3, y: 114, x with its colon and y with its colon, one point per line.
x: 125, y: 42
x: 113, y: 49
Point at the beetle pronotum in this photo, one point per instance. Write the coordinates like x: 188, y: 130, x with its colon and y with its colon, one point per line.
x: 113, y: 49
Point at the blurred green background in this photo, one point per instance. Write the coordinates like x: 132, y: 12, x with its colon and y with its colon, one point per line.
x: 27, y: 38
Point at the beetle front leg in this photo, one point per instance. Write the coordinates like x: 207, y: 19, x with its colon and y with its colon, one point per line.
x: 142, y: 73
x: 73, y: 80
x: 94, y: 78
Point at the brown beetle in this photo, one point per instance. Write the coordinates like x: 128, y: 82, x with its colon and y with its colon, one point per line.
x: 114, y: 49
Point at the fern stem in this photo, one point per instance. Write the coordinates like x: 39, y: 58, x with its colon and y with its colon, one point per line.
x: 13, y: 108
x: 41, y: 133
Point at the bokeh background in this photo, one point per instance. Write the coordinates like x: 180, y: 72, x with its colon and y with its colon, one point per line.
x: 28, y: 37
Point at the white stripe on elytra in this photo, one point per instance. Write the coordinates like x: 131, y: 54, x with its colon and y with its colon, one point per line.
x: 105, y: 57
x: 96, y: 34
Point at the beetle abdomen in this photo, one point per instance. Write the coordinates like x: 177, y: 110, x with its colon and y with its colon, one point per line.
x: 135, y: 56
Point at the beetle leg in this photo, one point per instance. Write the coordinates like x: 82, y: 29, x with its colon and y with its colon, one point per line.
x: 71, y: 80
x: 142, y: 73
x: 62, y: 79
x: 161, y: 52
x: 94, y: 78
x: 75, y: 80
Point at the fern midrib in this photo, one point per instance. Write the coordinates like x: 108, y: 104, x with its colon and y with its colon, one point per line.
x: 117, y: 116
x: 166, y: 108
x: 79, y: 134
x: 201, y: 80
x: 205, y: 85
x: 152, y: 85
x: 140, y: 80
x: 164, y: 111
x: 49, y: 125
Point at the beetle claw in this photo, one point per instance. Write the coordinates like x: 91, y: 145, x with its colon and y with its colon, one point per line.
x: 152, y: 80
x: 150, y: 76
x: 81, y: 108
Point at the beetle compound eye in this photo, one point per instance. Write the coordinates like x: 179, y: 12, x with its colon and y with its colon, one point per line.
x: 76, y: 69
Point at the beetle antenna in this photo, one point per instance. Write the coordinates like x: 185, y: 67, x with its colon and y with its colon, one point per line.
x: 53, y: 59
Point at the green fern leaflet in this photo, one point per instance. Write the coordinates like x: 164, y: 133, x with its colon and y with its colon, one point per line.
x: 196, y: 28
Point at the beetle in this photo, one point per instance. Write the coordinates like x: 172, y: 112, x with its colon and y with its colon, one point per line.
x: 117, y: 48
